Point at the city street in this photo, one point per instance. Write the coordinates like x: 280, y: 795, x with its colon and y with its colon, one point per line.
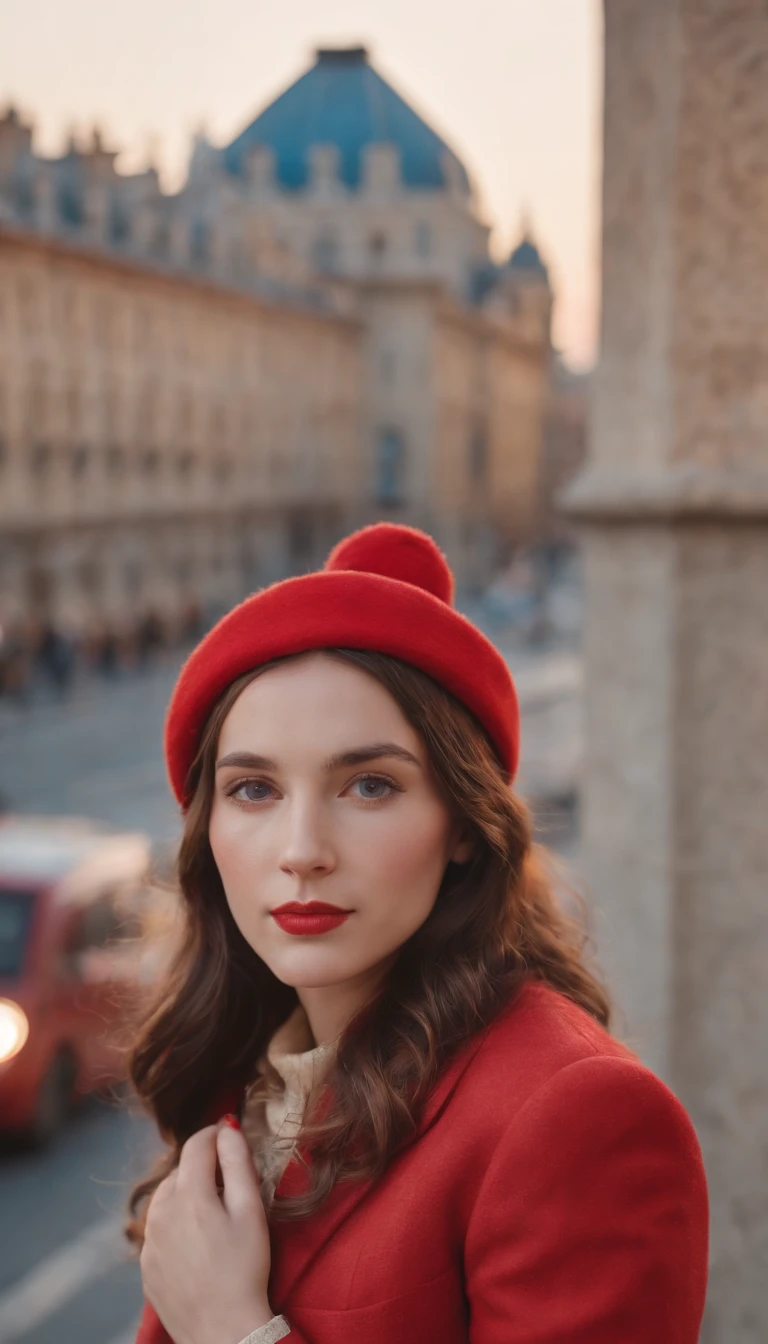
x: 65, y: 1273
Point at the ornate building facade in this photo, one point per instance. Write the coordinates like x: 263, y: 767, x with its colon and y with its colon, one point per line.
x: 200, y: 392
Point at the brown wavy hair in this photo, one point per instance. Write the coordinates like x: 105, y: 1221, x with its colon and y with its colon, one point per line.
x: 497, y: 921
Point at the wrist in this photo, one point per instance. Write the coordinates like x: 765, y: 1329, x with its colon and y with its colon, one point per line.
x: 241, y: 1322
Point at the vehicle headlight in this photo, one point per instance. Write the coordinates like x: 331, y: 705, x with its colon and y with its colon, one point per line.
x: 14, y: 1029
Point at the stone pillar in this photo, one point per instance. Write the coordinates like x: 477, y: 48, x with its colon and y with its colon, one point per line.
x: 674, y: 507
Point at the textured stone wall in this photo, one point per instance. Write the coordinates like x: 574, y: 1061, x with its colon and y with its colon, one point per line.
x: 674, y: 506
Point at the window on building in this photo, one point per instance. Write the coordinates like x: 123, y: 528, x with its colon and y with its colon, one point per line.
x: 325, y: 252
x: 478, y: 454
x: 132, y: 578
x: 199, y: 245
x: 161, y: 243
x: 28, y: 308
x: 377, y: 246
x: 300, y: 538
x: 185, y: 464
x: 221, y: 468
x: 90, y: 576
x: 183, y: 568
x: 144, y: 330
x: 73, y: 404
x: 151, y: 462
x: 184, y: 412
x: 103, y: 321
x: 115, y: 460
x: 79, y: 461
x: 389, y: 485
x: 422, y: 237
x: 40, y: 460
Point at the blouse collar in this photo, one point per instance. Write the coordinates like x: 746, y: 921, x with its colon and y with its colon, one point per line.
x: 292, y: 1052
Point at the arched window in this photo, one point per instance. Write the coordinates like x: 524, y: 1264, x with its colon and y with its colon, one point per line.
x: 390, y: 467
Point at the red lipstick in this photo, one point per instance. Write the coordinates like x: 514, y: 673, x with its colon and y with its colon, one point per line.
x: 309, y: 917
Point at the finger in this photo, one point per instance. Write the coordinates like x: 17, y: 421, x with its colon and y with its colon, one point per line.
x: 160, y: 1196
x: 165, y: 1187
x: 196, y: 1173
x: 241, y: 1183
x: 168, y: 1184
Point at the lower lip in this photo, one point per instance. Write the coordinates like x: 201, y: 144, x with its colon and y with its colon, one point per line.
x: 292, y: 923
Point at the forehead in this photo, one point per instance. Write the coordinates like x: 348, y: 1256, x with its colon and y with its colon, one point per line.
x: 318, y: 701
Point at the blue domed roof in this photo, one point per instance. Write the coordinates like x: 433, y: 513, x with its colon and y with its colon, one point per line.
x: 526, y: 257
x: 342, y: 101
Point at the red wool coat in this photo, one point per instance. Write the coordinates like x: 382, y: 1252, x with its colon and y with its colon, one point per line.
x: 554, y: 1193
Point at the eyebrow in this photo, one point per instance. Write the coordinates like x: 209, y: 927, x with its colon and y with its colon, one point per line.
x: 356, y: 757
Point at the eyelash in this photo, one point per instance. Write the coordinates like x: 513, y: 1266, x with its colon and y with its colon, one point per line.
x: 367, y: 802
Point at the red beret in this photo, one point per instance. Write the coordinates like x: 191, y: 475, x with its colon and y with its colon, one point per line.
x: 387, y: 588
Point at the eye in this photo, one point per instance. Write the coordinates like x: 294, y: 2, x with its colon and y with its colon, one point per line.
x: 372, y: 782
x: 246, y: 791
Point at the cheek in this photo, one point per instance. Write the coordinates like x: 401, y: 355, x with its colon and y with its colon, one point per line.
x: 409, y: 856
x: 233, y: 844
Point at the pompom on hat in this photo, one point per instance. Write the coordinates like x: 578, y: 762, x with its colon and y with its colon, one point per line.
x: 387, y: 588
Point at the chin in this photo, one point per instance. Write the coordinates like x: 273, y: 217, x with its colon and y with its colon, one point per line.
x: 307, y: 970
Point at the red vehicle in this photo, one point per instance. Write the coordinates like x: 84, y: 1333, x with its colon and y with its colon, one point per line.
x: 72, y: 897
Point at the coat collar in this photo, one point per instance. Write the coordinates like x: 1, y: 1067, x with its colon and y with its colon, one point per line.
x: 308, y: 1237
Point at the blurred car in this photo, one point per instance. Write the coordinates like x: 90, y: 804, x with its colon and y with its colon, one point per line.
x: 72, y: 901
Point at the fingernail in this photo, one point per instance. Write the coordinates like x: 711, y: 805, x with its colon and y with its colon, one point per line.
x: 230, y: 1120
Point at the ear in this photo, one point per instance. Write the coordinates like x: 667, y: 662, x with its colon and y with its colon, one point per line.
x: 462, y: 851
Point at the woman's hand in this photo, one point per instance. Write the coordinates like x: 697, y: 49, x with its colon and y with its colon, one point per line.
x: 206, y: 1257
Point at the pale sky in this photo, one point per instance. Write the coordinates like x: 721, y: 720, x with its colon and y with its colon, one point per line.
x: 514, y: 86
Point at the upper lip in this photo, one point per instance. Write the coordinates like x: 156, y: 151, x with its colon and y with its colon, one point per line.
x: 309, y: 908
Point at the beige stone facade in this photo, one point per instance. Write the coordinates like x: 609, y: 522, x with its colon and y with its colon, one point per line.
x: 200, y: 392
x: 163, y: 439
x: 674, y: 502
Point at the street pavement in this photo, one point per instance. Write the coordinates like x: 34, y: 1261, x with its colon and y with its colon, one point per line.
x: 65, y: 1272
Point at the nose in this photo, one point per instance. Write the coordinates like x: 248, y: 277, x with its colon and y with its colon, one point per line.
x: 307, y: 849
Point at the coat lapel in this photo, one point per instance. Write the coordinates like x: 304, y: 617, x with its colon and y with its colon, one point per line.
x: 295, y: 1245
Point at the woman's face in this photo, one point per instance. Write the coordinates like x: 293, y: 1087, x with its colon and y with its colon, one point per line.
x: 291, y: 823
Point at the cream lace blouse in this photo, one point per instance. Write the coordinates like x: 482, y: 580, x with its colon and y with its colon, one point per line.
x: 271, y: 1127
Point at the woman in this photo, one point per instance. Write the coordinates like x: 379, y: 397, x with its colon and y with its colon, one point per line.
x: 403, y: 1117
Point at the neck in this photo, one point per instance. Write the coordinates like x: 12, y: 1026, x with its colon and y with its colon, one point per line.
x: 330, y: 1008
